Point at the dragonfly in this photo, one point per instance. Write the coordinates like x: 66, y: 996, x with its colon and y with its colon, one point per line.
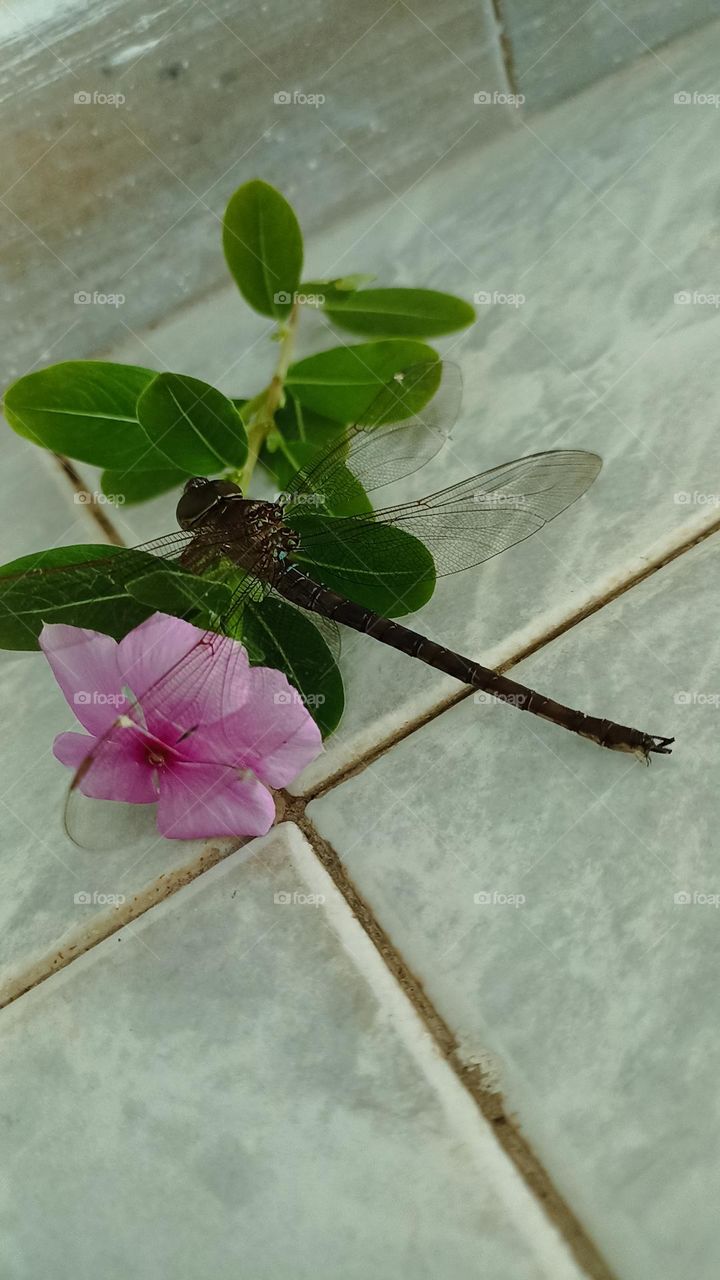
x: 279, y: 546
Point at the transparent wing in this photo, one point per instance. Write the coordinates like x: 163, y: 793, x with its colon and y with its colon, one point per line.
x: 379, y: 450
x: 465, y: 524
x: 94, y: 588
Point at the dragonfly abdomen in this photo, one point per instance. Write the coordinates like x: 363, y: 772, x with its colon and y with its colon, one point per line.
x: 297, y: 587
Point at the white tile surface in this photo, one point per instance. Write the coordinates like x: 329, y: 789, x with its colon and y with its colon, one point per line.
x: 234, y: 1086
x: 598, y: 994
x: 122, y: 194
x: 598, y: 212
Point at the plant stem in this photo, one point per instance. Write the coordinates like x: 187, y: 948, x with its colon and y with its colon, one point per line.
x: 265, y: 405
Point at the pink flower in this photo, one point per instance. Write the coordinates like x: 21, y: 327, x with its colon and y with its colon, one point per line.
x: 177, y: 716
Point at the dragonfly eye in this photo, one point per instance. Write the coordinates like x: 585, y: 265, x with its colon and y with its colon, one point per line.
x: 199, y: 496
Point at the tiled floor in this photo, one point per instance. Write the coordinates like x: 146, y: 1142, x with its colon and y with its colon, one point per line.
x: 291, y: 1088
x: 234, y: 1086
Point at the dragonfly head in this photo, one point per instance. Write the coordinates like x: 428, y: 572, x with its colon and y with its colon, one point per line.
x: 202, y: 496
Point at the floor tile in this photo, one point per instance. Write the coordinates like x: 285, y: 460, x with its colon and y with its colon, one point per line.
x: 127, y: 129
x: 559, y: 903
x: 558, y: 51
x: 578, y: 212
x: 235, y: 1082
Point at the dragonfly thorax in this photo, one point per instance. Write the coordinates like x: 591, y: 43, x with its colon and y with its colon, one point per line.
x: 245, y: 530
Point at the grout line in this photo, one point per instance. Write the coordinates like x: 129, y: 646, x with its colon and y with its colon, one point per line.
x: 488, y: 1099
x: 84, y: 939
x: 363, y: 761
x: 471, y: 1076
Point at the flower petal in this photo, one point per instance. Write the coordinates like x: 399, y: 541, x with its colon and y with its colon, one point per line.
x: 272, y: 733
x: 72, y: 748
x: 151, y: 650
x: 118, y: 767
x: 207, y: 800
x: 181, y: 675
x: 85, y: 666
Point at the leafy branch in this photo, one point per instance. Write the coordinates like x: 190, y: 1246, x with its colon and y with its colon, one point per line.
x: 150, y: 431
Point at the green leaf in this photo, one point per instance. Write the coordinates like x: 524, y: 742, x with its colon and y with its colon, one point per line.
x: 132, y: 486
x: 383, y: 568
x: 86, y: 409
x: 184, y: 595
x: 35, y: 590
x: 276, y: 635
x: 193, y: 425
x: 405, y: 394
x: 263, y: 248
x: 407, y: 313
x: 342, y: 383
x: 331, y: 291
